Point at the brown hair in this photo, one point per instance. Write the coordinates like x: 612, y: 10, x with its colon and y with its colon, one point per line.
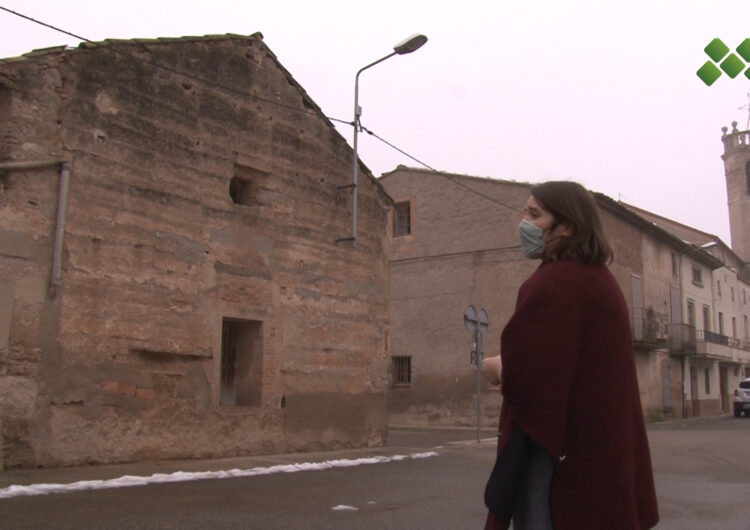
x: 569, y: 202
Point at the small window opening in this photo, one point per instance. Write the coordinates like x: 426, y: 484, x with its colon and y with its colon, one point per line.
x: 708, y: 381
x: 747, y: 176
x: 401, y: 371
x: 697, y: 276
x: 402, y: 219
x: 241, y: 363
x: 248, y: 185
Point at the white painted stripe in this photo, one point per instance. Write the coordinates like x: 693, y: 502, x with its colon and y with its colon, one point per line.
x: 183, y: 476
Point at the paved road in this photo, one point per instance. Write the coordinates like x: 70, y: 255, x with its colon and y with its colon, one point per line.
x: 702, y: 472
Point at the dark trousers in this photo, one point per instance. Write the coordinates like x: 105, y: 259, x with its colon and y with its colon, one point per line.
x: 532, y: 510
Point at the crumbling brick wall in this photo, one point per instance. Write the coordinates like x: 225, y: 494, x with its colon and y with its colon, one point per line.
x: 201, y: 222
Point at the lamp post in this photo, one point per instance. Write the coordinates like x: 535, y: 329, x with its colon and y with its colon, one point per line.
x: 408, y: 45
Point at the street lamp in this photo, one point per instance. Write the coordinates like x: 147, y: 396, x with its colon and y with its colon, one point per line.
x: 408, y: 45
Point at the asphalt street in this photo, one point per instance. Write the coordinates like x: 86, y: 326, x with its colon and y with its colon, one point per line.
x: 701, y: 466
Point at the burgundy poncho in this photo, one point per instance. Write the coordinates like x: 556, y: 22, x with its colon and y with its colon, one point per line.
x: 569, y: 383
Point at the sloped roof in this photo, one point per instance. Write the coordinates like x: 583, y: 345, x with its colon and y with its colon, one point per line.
x: 461, y: 176
x: 654, y: 229
x: 684, y: 232
x: 44, y: 53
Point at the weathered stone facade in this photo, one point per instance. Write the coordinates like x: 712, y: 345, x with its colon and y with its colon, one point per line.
x: 203, y: 306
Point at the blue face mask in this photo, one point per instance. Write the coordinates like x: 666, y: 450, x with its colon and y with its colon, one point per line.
x: 532, y: 239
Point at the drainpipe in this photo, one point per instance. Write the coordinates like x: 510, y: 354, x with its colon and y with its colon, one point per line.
x: 684, y: 364
x: 62, y: 205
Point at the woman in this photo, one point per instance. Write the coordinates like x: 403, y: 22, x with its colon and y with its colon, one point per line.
x: 572, y: 446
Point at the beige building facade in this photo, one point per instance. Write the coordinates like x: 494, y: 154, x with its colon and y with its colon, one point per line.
x: 170, y: 281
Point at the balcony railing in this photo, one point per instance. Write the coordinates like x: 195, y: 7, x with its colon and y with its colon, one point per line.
x: 682, y: 338
x: 713, y: 338
x: 653, y: 329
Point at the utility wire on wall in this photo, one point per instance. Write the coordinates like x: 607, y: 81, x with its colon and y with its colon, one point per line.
x: 219, y: 86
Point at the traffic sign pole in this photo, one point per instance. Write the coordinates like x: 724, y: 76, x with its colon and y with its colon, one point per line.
x: 478, y: 324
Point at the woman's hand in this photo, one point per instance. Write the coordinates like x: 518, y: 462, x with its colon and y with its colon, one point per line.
x: 491, y: 367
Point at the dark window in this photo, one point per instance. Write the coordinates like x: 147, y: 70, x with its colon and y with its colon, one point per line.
x: 402, y: 219
x: 247, y: 186
x: 747, y: 175
x: 706, y: 318
x: 697, y: 276
x: 675, y: 269
x: 241, y: 362
x: 708, y: 381
x: 401, y: 370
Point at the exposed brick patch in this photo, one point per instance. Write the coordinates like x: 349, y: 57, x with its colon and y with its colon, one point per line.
x: 145, y: 393
x: 109, y: 386
x: 126, y: 388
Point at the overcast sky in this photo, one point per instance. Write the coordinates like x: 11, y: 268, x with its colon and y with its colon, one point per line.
x: 604, y: 93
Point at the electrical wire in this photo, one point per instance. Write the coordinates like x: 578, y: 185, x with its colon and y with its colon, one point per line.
x: 449, y: 177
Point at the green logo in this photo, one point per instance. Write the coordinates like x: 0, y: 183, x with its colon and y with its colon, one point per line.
x: 729, y: 63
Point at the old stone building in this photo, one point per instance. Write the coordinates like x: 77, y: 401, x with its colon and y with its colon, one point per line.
x: 170, y: 281
x: 454, y: 242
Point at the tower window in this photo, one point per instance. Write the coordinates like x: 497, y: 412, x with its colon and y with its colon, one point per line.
x: 747, y: 176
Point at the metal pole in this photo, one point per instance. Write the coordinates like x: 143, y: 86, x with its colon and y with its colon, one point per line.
x: 29, y: 164
x: 480, y: 356
x: 355, y: 162
x: 62, y: 206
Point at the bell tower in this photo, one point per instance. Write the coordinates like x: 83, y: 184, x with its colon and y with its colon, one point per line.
x: 737, y: 170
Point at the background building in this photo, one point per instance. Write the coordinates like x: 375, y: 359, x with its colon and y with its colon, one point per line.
x: 191, y: 300
x: 454, y: 242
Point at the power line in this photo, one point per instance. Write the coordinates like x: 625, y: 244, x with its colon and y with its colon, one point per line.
x: 368, y: 131
x: 449, y: 177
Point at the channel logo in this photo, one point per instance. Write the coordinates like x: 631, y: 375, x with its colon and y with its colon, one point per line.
x: 727, y: 62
